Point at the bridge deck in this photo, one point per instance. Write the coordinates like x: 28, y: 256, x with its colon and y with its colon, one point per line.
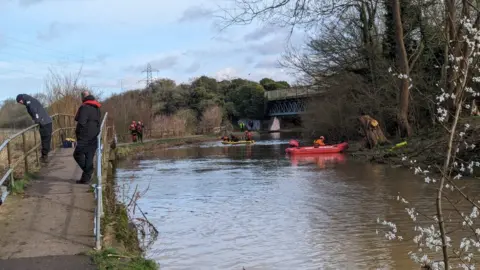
x: 292, y: 93
x: 55, y: 218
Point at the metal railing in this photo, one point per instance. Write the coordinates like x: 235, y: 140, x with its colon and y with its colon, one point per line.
x: 291, y: 93
x: 60, y: 129
x: 65, y: 123
x: 102, y: 159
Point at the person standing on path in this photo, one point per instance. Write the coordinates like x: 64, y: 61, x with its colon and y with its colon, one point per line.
x: 140, y: 128
x: 88, y: 119
x: 39, y: 116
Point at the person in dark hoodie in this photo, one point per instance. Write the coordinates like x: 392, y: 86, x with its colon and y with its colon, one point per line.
x: 39, y: 116
x: 88, y: 119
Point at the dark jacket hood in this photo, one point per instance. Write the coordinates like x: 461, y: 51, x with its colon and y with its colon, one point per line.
x: 24, y: 97
x: 35, y: 109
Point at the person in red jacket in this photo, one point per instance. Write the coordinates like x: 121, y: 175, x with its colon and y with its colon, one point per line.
x: 133, y: 131
x: 248, y: 135
x: 140, y: 128
x: 88, y: 119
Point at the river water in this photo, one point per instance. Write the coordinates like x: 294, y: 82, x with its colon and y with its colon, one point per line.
x: 229, y: 207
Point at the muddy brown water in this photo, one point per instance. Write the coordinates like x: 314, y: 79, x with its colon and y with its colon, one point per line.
x: 229, y: 207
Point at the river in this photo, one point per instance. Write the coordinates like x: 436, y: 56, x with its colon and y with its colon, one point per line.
x: 229, y: 207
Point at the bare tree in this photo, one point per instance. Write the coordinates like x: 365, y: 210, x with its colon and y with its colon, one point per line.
x: 403, y: 66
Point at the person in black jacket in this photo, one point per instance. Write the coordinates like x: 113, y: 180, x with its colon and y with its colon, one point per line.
x: 88, y: 119
x: 39, y: 116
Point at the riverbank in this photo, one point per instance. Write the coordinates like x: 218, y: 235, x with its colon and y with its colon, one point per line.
x: 425, y: 151
x: 136, y: 150
x: 121, y: 244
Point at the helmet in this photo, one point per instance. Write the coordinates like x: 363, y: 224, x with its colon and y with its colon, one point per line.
x: 322, y: 138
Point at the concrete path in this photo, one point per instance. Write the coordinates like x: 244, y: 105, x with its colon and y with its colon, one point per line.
x: 55, y: 218
x: 64, y: 262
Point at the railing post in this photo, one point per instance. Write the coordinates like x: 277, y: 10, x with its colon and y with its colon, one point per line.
x: 54, y: 127
x: 69, y: 130
x: 98, y: 187
x: 35, y: 143
x: 25, y: 158
x: 9, y: 156
x: 65, y: 128
x: 98, y: 190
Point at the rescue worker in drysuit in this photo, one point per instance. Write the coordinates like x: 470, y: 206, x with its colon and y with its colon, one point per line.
x: 248, y: 135
x: 319, y: 142
x: 133, y: 131
x: 233, y: 138
x: 140, y: 128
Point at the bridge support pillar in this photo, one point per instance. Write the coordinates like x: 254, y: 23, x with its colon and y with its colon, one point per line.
x: 274, y: 124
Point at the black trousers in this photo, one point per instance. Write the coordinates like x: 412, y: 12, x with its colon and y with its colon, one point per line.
x: 140, y: 136
x: 46, y: 138
x: 84, y: 154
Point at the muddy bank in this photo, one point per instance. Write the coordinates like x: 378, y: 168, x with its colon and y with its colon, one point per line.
x: 425, y: 151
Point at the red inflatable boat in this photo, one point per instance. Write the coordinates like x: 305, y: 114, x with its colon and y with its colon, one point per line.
x: 327, y: 149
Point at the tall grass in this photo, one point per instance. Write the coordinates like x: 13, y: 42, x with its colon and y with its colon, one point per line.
x: 211, y: 119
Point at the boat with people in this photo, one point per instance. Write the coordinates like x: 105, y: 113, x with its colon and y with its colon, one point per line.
x: 295, y: 149
x: 232, y: 139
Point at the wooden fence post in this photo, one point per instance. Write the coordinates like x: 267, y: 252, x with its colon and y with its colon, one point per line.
x: 25, y: 159
x: 35, y: 145
x: 9, y: 155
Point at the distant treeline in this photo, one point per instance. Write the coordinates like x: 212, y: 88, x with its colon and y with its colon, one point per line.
x: 163, y: 106
x: 197, y: 107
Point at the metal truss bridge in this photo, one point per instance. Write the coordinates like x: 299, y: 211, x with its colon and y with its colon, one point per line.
x: 286, y: 102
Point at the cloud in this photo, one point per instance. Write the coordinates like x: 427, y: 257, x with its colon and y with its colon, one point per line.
x: 162, y: 63
x: 249, y: 59
x: 256, y: 74
x: 261, y: 33
x: 271, y: 47
x: 118, y: 51
x: 55, y: 30
x: 224, y: 39
x: 195, y: 13
x: 195, y: 66
x: 27, y: 3
x: 226, y: 74
x: 268, y: 63
x: 166, y: 62
x: 102, y: 57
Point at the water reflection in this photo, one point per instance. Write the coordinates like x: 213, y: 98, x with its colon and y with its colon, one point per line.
x: 321, y: 160
x: 228, y: 207
x: 275, y: 135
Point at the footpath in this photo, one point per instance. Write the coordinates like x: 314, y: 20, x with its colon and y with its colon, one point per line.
x: 52, y: 225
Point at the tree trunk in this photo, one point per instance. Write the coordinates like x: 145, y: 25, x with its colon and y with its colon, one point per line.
x: 402, y: 62
x: 373, y: 133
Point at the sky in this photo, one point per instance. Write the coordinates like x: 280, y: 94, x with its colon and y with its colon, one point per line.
x: 112, y: 41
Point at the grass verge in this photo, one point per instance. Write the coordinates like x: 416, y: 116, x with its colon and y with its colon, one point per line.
x: 20, y: 185
x: 112, y: 259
